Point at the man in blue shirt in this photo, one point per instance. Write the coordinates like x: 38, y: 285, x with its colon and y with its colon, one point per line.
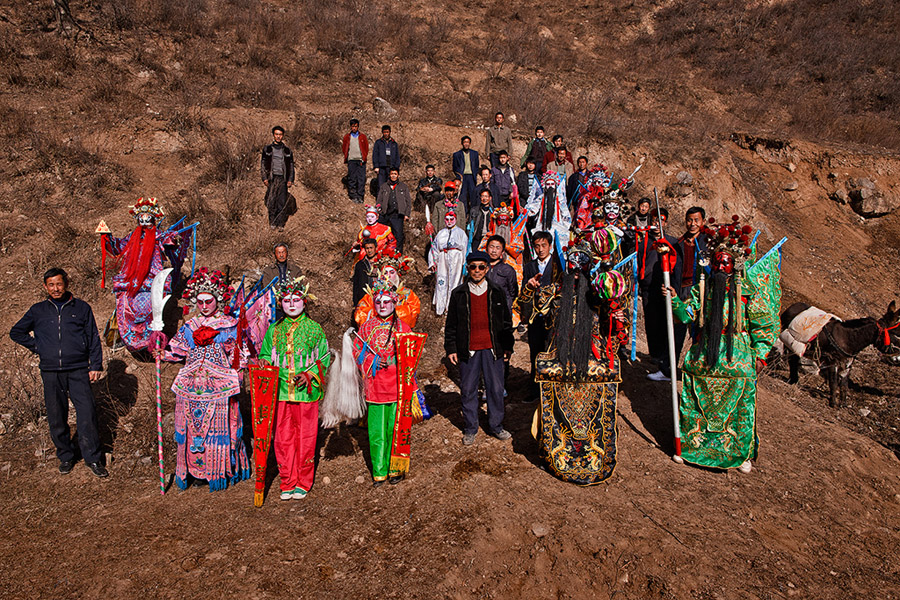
x: 385, y: 155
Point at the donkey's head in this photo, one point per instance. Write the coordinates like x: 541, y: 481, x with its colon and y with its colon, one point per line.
x: 888, y: 342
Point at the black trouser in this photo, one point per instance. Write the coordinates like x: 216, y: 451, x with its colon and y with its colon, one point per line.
x: 482, y: 362
x: 276, y: 201
x: 428, y: 199
x: 537, y: 342
x: 356, y: 180
x: 59, y: 387
x: 395, y: 220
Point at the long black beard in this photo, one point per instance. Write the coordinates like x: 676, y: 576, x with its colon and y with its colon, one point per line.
x: 720, y: 287
x: 573, y: 326
x: 549, y: 208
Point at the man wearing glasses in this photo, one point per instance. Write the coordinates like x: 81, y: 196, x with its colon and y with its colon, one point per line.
x: 478, y: 336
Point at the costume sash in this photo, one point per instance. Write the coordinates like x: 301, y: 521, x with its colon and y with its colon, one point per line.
x: 263, y: 391
x: 409, y: 348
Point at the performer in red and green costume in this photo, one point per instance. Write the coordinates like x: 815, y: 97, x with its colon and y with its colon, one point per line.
x: 297, y: 346
x: 375, y: 350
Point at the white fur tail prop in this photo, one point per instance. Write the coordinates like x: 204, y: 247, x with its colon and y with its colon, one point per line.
x: 344, y: 401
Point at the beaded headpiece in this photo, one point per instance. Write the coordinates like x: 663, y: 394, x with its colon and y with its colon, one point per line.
x: 295, y: 287
x: 146, y: 206
x: 732, y: 238
x: 382, y: 287
x: 392, y: 258
x: 209, y: 282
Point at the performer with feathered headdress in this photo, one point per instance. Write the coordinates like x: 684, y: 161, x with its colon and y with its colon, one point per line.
x: 387, y: 354
x: 297, y: 346
x: 208, y: 424
x: 389, y: 266
x: 738, y: 323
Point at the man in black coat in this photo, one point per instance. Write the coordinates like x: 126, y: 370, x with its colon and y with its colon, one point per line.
x: 478, y: 336
x: 277, y: 170
x: 543, y: 270
x: 71, y: 358
x: 394, y: 205
x: 362, y: 272
x: 652, y: 298
x: 385, y: 156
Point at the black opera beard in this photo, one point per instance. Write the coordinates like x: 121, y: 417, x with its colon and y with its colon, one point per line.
x: 573, y: 325
x: 719, y: 285
x: 549, y: 208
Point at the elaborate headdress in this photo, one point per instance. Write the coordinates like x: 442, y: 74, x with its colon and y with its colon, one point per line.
x: 372, y: 208
x: 392, y: 258
x: 503, y: 211
x: 295, y: 287
x: 733, y: 239
x: 146, y: 206
x: 551, y: 178
x: 382, y: 287
x: 205, y: 281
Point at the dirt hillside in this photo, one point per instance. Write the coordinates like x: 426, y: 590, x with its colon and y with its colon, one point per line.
x: 785, y: 113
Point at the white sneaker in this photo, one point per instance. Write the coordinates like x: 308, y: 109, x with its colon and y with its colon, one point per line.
x: 745, y: 467
x: 299, y: 494
x: 658, y: 376
x: 287, y: 495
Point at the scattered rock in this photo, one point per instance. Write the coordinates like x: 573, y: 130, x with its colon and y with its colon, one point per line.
x: 512, y: 118
x: 2, y: 428
x: 840, y: 196
x: 545, y: 33
x: 684, y: 178
x: 540, y: 530
x: 360, y: 479
x: 383, y: 107
x: 791, y: 186
x: 146, y: 460
x: 864, y: 412
x: 326, y: 480
x: 791, y: 167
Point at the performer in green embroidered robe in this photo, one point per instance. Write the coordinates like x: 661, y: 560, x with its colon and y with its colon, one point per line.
x: 297, y: 346
x: 736, y: 322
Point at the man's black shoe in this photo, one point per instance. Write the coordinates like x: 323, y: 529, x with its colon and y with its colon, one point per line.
x: 378, y: 483
x: 66, y: 466
x: 395, y: 479
x: 98, y: 469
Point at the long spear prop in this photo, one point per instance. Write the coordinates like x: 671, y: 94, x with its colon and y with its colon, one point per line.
x: 667, y: 260
x: 157, y: 302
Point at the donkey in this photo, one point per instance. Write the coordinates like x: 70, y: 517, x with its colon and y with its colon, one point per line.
x: 834, y: 349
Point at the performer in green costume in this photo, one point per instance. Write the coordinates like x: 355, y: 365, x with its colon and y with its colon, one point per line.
x: 297, y: 346
x: 736, y: 322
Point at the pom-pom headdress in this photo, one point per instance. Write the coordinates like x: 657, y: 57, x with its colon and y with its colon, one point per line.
x: 732, y: 238
x: 551, y: 179
x: 209, y: 282
x: 298, y: 286
x: 392, y: 258
x: 372, y: 208
x: 146, y: 206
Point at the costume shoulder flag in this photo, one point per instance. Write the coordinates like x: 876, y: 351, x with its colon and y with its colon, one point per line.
x: 765, y: 276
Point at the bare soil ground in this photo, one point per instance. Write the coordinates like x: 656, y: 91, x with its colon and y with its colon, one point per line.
x: 175, y: 100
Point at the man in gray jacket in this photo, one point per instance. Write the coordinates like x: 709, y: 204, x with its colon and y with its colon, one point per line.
x: 497, y: 138
x: 277, y: 170
x: 394, y: 204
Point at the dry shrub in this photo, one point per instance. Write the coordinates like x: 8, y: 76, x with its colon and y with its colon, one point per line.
x: 21, y: 389
x: 239, y: 198
x: 344, y: 28
x: 400, y: 89
x: 232, y: 157
x: 213, y: 224
x: 187, y: 119
x: 260, y: 91
x: 187, y: 17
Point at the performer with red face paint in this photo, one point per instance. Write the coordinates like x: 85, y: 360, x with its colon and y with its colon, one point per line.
x: 208, y: 424
x: 297, y: 346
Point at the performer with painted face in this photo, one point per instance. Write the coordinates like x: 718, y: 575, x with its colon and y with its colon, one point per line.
x: 389, y: 266
x: 446, y: 259
x: 143, y: 253
x: 737, y: 323
x: 579, y: 373
x: 379, y: 232
x: 449, y: 203
x: 547, y: 207
x: 208, y: 424
x: 388, y: 361
x: 297, y: 346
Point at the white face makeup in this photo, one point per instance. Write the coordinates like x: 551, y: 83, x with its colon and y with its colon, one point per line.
x: 145, y: 220
x: 391, y: 275
x: 612, y: 211
x: 292, y: 305
x: 450, y: 221
x: 384, y: 305
x: 207, y: 304
x: 371, y: 218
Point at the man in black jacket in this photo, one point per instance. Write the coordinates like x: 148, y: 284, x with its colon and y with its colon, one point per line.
x: 385, y: 156
x: 68, y: 344
x: 362, y: 271
x: 478, y: 337
x: 543, y: 270
x: 428, y: 190
x: 277, y: 169
x: 394, y: 205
